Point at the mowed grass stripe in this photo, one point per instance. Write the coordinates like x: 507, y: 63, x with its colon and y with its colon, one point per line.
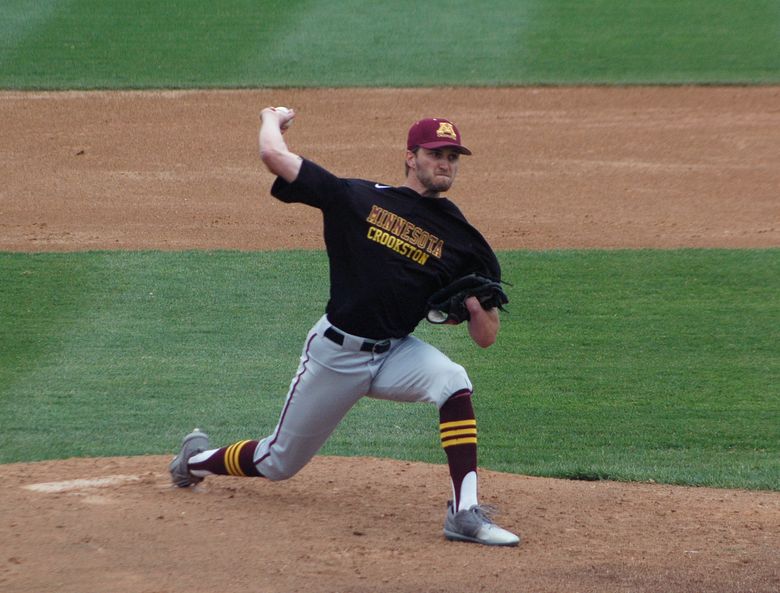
x: 242, y: 43
x: 626, y: 365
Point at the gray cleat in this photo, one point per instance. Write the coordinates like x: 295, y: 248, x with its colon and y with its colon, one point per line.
x: 194, y: 443
x: 474, y: 525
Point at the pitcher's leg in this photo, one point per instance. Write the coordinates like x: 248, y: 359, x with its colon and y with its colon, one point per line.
x: 327, y: 384
x: 234, y: 460
x: 417, y: 372
x: 458, y: 433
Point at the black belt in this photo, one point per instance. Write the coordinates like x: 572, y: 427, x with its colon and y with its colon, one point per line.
x: 336, y: 336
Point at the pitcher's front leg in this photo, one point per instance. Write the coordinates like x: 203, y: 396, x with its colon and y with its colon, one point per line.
x: 328, y: 383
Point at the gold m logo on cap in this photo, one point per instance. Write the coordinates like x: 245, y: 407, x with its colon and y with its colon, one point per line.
x: 446, y: 131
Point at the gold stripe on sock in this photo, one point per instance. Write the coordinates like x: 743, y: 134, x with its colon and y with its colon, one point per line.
x: 458, y: 424
x: 464, y: 441
x: 458, y: 433
x: 231, y: 459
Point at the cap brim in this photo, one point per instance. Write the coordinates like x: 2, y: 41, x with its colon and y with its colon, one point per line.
x: 434, y: 145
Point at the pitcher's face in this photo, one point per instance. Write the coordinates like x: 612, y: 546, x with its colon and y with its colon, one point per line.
x: 435, y: 169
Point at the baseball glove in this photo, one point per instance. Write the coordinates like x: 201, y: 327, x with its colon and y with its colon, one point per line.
x: 448, y: 305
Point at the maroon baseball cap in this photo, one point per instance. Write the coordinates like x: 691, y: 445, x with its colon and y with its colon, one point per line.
x: 435, y: 132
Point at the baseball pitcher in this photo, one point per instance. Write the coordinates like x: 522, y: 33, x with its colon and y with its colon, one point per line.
x: 393, y: 252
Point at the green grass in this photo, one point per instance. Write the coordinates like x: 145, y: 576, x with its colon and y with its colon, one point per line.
x: 628, y: 365
x: 246, y: 43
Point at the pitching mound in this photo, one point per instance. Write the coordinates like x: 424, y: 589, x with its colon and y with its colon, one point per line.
x: 370, y: 525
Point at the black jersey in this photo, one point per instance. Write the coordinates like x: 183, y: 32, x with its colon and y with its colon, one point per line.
x: 389, y: 249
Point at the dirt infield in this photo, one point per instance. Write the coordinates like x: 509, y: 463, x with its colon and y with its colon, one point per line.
x: 552, y: 168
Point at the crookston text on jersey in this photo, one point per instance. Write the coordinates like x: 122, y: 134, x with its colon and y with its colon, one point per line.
x: 402, y: 236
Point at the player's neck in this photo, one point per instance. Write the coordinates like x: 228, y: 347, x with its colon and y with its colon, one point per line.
x: 414, y: 184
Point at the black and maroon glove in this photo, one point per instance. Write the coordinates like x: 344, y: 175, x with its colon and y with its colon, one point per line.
x: 448, y: 305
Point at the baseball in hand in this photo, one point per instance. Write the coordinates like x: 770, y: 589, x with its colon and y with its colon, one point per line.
x: 284, y: 111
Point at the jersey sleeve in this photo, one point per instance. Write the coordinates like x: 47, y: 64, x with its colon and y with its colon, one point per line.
x: 486, y: 262
x: 481, y: 257
x: 314, y: 186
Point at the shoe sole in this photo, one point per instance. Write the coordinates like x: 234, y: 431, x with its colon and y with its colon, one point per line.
x: 457, y: 537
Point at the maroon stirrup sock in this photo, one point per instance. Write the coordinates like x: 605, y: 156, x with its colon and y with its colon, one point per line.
x: 458, y: 431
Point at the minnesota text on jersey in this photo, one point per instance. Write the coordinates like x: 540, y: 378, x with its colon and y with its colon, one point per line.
x: 405, y: 230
